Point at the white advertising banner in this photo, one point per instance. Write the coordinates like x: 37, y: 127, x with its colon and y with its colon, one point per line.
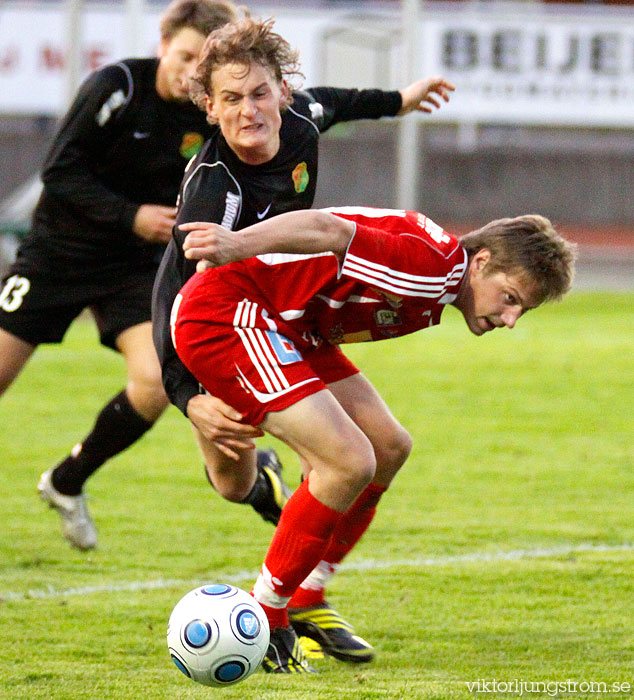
x: 33, y: 57
x: 527, y: 66
x: 536, y: 68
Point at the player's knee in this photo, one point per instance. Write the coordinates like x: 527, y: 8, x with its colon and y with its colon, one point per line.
x: 150, y: 377
x: 147, y: 396
x: 146, y: 370
x: 357, y: 466
x: 393, y: 451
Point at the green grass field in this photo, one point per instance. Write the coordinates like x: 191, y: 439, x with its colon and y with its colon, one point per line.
x: 503, y: 551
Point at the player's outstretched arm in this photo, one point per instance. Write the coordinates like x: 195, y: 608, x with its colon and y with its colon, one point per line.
x: 304, y: 231
x: 424, y: 95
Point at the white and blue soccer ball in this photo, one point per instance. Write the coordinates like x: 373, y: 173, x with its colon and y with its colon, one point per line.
x: 217, y: 634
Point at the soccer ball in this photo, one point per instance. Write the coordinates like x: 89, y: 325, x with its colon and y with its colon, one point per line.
x: 217, y: 634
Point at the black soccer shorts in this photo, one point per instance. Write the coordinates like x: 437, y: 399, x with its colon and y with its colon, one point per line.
x: 38, y: 306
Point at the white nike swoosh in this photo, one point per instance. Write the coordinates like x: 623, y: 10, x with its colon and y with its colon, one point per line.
x: 265, y: 398
x: 262, y: 214
x: 141, y: 134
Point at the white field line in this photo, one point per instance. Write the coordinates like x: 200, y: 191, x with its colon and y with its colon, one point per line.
x: 50, y: 591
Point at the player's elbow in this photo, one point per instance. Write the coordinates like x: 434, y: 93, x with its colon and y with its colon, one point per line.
x: 337, y: 232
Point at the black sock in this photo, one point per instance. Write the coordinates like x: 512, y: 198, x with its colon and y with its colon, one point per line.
x: 117, y: 427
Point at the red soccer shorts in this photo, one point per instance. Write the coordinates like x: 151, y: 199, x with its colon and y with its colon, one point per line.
x: 244, y: 354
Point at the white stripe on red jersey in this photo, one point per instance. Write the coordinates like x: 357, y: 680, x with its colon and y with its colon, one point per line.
x: 394, y: 281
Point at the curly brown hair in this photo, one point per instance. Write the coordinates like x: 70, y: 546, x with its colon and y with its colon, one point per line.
x: 243, y: 42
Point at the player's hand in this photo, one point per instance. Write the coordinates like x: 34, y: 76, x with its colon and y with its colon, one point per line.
x: 154, y: 223
x: 424, y: 95
x: 218, y: 423
x: 210, y: 243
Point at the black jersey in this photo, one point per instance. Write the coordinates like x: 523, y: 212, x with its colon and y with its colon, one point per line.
x: 119, y: 146
x: 220, y: 188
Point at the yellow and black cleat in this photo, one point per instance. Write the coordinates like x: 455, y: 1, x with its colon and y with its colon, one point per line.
x: 335, y: 636
x: 270, y: 493
x: 285, y: 654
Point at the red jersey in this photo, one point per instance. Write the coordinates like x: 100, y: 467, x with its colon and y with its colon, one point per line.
x: 399, y: 272
x: 253, y: 332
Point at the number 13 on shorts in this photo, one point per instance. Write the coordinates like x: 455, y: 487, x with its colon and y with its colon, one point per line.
x: 14, y: 291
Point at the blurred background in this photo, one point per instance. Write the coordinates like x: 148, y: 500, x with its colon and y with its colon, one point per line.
x: 542, y: 119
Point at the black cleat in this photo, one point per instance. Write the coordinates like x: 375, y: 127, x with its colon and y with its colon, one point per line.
x: 270, y: 493
x: 284, y: 654
x: 336, y: 636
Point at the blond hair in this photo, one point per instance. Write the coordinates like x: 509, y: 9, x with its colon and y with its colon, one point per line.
x: 243, y: 42
x: 529, y: 246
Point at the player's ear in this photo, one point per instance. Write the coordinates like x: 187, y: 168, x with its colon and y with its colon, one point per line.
x: 285, y: 95
x: 210, y: 109
x: 480, y: 260
x: 162, y: 47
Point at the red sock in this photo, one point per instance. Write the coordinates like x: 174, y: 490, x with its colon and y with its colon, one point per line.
x: 348, y: 531
x: 298, y: 544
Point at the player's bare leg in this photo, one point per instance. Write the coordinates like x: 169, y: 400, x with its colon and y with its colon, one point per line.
x: 14, y: 354
x: 76, y: 523
x: 391, y: 443
x: 342, y: 463
x: 309, y: 612
x: 144, y: 387
x: 232, y: 479
x: 339, y: 455
x: 254, y: 479
x: 123, y: 420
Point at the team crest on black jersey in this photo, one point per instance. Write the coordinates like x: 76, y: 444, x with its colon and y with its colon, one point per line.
x: 300, y: 177
x: 191, y: 144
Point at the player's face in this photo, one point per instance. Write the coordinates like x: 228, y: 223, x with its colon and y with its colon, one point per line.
x: 178, y: 60
x: 246, y: 102
x: 494, y: 300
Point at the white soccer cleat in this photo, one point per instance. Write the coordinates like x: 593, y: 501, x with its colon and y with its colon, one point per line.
x: 77, y: 525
